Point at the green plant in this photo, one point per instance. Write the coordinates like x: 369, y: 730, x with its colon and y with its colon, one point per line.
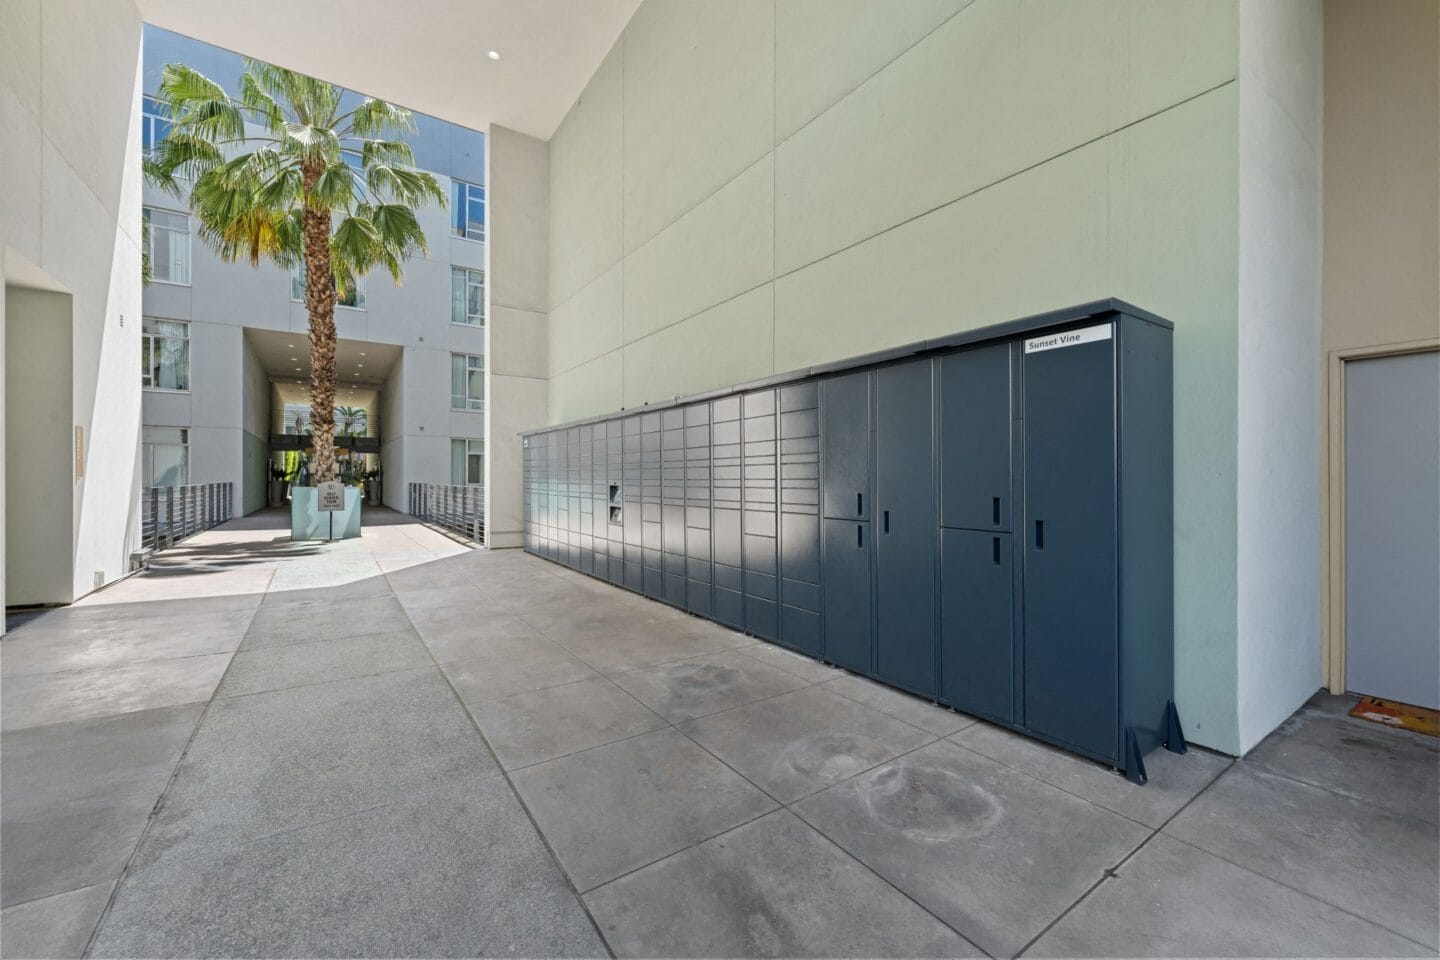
x: 278, y: 193
x: 351, y: 419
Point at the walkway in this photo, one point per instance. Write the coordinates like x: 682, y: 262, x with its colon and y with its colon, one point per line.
x: 399, y: 746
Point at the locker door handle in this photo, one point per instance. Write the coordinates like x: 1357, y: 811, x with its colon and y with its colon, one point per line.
x: 859, y: 504
x: 859, y: 535
x: 1039, y: 534
x: 995, y: 510
x: 995, y: 550
x: 887, y: 522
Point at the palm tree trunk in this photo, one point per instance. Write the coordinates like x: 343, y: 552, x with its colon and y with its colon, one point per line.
x: 320, y: 305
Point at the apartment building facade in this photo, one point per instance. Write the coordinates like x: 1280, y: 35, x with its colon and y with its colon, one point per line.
x: 224, y: 359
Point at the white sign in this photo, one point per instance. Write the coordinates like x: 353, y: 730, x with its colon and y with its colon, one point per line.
x: 1070, y: 338
x: 332, y: 496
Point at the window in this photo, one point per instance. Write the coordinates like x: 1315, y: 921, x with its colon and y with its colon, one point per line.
x: 164, y: 354
x: 467, y: 296
x: 467, y: 461
x: 165, y: 456
x: 467, y: 210
x: 354, y: 298
x: 467, y: 382
x: 167, y: 234
x: 154, y: 124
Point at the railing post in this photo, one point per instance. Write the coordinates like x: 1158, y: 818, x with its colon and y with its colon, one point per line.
x: 169, y: 535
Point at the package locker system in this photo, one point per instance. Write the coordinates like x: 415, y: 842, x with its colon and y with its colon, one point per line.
x: 984, y: 520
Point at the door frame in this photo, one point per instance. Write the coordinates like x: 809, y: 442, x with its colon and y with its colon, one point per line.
x: 1332, y: 505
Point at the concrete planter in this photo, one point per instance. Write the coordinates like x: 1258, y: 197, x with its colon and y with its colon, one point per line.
x: 308, y: 523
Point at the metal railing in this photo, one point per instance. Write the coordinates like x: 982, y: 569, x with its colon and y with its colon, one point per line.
x: 458, y: 507
x: 170, y: 514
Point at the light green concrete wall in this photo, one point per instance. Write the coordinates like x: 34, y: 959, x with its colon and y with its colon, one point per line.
x: 749, y: 187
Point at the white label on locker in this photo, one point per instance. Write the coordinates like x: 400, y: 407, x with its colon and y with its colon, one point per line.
x: 1070, y: 338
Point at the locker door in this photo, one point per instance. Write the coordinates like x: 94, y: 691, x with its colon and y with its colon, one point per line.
x: 698, y: 596
x: 650, y: 506
x: 976, y: 615
x: 1071, y: 670
x: 760, y: 525
x: 906, y: 526
x: 849, y: 641
x: 728, y: 568
x: 672, y: 499
x: 845, y: 443
x: 800, y: 518
x: 975, y: 429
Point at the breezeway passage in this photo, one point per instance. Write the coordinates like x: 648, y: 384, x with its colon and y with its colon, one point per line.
x: 398, y: 745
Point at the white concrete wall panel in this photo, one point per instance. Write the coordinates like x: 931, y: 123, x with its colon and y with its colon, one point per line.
x: 1278, y: 548
x: 699, y: 104
x: 586, y: 184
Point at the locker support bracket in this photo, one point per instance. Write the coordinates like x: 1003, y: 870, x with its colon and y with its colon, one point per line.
x: 1174, y: 733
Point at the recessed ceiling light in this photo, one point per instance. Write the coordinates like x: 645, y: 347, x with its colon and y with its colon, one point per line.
x: 297, y: 370
x: 493, y: 54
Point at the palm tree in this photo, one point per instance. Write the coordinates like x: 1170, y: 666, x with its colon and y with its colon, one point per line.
x: 277, y: 189
x: 351, y: 419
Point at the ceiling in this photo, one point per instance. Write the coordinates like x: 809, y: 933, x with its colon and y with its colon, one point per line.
x: 428, y: 55
x: 360, y: 367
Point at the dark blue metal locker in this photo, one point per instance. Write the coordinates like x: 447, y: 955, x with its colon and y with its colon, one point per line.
x: 729, y: 568
x: 650, y: 505
x: 1070, y: 646
x: 976, y: 623
x: 630, y: 494
x: 760, y: 523
x: 975, y: 438
x: 800, y: 517
x: 586, y: 506
x: 572, y: 498
x: 672, y: 504
x: 849, y: 639
x: 846, y: 468
x: 905, y: 548
x: 615, y: 498
x: 846, y: 445
x: 698, y: 596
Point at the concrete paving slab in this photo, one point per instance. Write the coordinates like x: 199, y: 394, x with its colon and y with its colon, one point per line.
x: 30, y: 701
x: 301, y: 664
x: 454, y: 869
x: 770, y: 888
x: 93, y: 610
x: 1174, y: 778
x: 328, y: 595
x: 1377, y: 864
x: 615, y: 808
x: 74, y: 796
x: 806, y: 668
x: 334, y: 570
x: 1175, y: 900
x: 645, y: 644
x: 52, y: 648
x: 498, y: 637
x: 78, y: 841
x: 801, y: 742
x: 914, y: 710
x: 58, y: 926
x: 1320, y: 745
x: 494, y: 677
x: 166, y: 583
x: 688, y: 689
x: 270, y: 762
x: 305, y: 623
x: 529, y: 728
x: 995, y: 854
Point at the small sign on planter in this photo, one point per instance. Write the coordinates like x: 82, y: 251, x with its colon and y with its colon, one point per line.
x: 331, y: 496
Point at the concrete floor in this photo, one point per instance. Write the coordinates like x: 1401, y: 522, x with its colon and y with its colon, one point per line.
x: 399, y: 746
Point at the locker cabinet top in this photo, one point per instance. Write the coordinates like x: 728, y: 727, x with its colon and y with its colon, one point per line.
x: 1094, y: 310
